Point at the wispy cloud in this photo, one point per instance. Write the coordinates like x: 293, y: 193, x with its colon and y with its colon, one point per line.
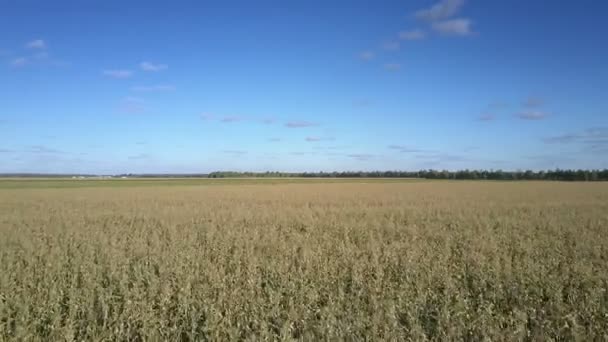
x: 440, y: 16
x: 442, y: 10
x: 532, y: 115
x: 268, y: 121
x: 19, y: 62
x: 207, y: 116
x: 486, y: 117
x: 405, y: 149
x: 139, y: 156
x: 367, y: 55
x: 132, y: 105
x: 533, y: 102
x: 453, y: 27
x: 497, y: 105
x: 300, y: 124
x: 235, y: 152
x: 118, y: 73
x: 148, y: 66
x: 392, y: 66
x: 594, y: 139
x: 236, y: 118
x: 231, y: 119
x: 42, y: 149
x: 41, y: 55
x: 362, y: 103
x: 415, y: 34
x: 391, y: 46
x: 562, y: 139
x: 3, y: 150
x: 36, y: 44
x: 315, y: 139
x: 361, y: 156
x: 443, y: 157
x: 154, y: 88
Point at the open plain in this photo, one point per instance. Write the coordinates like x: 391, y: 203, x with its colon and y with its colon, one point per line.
x: 303, y: 259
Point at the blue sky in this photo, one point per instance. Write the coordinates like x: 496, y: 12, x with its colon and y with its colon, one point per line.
x: 197, y: 86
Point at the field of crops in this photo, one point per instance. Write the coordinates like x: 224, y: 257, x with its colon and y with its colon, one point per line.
x: 354, y: 260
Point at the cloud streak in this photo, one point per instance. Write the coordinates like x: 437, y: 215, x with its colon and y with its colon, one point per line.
x: 300, y: 124
x: 533, y: 102
x: 361, y: 156
x: 486, y: 117
x: 391, y: 46
x: 235, y: 152
x: 231, y: 119
x: 367, y: 55
x: 36, y: 44
x: 392, y: 66
x: 453, y: 27
x: 132, y: 105
x: 118, y: 74
x: 405, y: 149
x: 19, y: 62
x: 415, y: 34
x: 594, y: 139
x: 532, y: 115
x: 151, y: 67
x: 154, y: 88
x: 140, y: 156
x: 42, y: 150
x: 442, y: 10
x: 316, y: 139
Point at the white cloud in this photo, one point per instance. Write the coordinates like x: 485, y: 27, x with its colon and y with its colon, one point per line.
x: 118, y: 73
x: 147, y: 66
x: 36, y: 44
x: 367, y: 55
x: 416, y: 34
x: 154, y: 88
x: 19, y: 62
x: 392, y: 66
x: 454, y: 27
x: 442, y: 10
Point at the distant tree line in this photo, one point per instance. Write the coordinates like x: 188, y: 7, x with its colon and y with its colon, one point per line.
x: 556, y: 175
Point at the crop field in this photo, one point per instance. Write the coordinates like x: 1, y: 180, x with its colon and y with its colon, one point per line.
x: 303, y: 260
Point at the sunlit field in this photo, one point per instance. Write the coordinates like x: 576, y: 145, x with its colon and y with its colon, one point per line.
x: 306, y: 260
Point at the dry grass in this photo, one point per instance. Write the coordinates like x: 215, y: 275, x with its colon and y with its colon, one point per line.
x: 424, y: 260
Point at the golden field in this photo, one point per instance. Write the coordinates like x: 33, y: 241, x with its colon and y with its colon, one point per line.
x: 350, y: 260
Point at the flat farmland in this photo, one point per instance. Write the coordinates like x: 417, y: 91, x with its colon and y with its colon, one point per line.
x: 303, y: 260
